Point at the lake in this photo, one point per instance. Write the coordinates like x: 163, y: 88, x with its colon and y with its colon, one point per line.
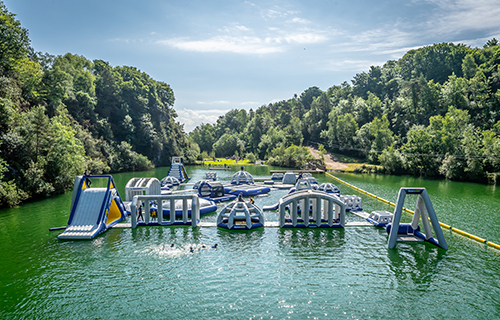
x: 269, y: 273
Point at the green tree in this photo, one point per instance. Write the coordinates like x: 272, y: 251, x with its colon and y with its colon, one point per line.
x: 203, y: 135
x: 227, y: 145
x: 382, y: 137
x: 66, y: 156
x: 418, y: 153
x: 14, y: 41
x: 469, y: 66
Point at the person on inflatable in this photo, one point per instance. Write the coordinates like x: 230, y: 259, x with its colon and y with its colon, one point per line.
x: 87, y: 180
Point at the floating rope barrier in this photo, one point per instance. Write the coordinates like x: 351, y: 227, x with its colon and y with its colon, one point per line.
x: 466, y: 234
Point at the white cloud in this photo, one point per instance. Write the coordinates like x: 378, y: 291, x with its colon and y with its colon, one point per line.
x: 299, y: 20
x: 192, y: 118
x: 237, y: 38
x: 454, y: 17
x: 246, y: 44
x: 243, y: 45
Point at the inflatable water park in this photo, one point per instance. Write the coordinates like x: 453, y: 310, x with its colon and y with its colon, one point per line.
x: 306, y: 204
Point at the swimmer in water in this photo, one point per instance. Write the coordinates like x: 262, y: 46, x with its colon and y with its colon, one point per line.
x: 172, y: 245
x: 191, y: 249
x: 214, y: 246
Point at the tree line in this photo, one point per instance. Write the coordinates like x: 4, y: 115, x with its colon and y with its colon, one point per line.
x: 435, y: 112
x: 60, y: 115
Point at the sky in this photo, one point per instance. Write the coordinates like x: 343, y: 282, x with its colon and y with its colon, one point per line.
x: 230, y: 54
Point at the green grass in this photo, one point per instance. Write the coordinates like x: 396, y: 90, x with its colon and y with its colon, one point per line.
x: 221, y: 162
x: 362, y: 168
x: 347, y: 159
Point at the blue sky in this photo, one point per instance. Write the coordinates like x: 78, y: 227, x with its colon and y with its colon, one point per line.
x: 221, y: 55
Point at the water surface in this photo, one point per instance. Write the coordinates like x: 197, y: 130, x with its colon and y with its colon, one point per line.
x: 262, y: 274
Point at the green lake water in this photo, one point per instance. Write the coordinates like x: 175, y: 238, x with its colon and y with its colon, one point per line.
x: 267, y: 273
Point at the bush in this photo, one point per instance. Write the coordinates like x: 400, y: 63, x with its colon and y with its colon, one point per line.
x: 250, y: 157
x: 10, y: 194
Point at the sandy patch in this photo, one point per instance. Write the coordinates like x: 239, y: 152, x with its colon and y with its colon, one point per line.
x: 330, y: 161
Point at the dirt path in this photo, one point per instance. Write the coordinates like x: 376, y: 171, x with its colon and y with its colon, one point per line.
x: 330, y: 160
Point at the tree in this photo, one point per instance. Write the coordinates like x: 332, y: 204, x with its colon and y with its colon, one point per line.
x: 293, y: 132
x: 469, y: 66
x: 274, y: 138
x: 14, y: 41
x: 228, y: 144
x: 66, y: 156
x: 341, y: 131
x: 382, y: 137
x: 203, y: 135
x: 418, y: 153
x: 307, y: 97
x: 392, y: 160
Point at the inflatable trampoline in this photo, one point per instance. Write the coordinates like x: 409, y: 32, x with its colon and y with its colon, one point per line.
x: 247, y: 190
x: 242, y: 183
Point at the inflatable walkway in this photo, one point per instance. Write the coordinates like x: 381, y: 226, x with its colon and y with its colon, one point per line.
x: 93, y: 210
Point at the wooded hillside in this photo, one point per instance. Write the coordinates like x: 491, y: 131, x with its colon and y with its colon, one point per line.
x: 434, y: 112
x: 60, y: 115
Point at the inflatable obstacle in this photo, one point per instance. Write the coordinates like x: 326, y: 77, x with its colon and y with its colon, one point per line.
x: 141, y: 186
x: 177, y: 170
x: 213, y: 191
x: 242, y: 183
x: 93, y: 210
x: 204, y: 206
x: 411, y: 231
x: 240, y: 215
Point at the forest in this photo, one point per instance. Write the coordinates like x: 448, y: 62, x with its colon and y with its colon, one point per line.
x: 60, y: 115
x: 435, y: 112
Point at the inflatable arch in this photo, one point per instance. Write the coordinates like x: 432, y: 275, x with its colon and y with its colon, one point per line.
x: 141, y: 186
x: 325, y: 210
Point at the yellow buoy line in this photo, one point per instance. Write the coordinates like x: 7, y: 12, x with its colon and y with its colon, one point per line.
x: 489, y: 243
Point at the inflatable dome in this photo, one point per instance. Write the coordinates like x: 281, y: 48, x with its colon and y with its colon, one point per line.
x: 242, y: 177
x: 240, y: 215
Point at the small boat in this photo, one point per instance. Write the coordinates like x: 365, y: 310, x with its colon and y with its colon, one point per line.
x: 240, y: 215
x: 380, y: 218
